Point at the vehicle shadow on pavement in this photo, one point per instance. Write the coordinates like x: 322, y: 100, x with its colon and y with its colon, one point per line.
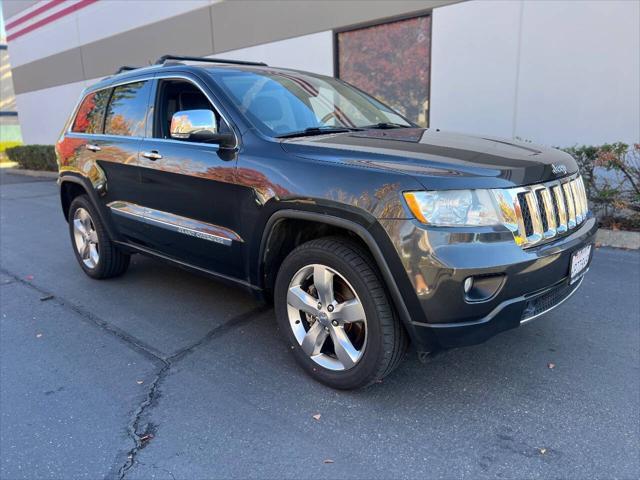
x: 503, y: 407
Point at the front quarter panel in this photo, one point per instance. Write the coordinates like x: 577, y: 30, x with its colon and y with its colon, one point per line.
x: 270, y: 179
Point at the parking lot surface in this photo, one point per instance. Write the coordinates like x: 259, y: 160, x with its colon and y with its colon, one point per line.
x: 165, y: 374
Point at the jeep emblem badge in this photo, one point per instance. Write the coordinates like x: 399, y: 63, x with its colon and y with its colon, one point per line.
x: 558, y: 169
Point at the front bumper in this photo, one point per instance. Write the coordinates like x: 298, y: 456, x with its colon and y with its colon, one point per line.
x: 528, y: 282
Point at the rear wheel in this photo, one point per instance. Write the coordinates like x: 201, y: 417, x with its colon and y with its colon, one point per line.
x: 94, y: 250
x: 335, y: 313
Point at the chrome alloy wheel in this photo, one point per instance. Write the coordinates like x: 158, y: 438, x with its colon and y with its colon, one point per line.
x: 86, y: 238
x: 327, y: 317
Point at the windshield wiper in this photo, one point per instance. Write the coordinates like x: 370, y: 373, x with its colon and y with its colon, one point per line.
x: 387, y: 125
x: 317, y: 131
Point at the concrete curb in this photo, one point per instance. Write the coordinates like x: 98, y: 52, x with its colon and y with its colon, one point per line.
x: 618, y: 239
x: 30, y: 173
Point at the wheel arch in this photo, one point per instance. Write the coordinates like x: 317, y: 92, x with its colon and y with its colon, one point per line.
x: 361, y: 233
x: 68, y: 191
x: 71, y: 186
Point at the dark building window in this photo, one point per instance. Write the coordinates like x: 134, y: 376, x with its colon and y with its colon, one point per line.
x: 390, y: 61
x: 127, y: 110
x: 91, y: 112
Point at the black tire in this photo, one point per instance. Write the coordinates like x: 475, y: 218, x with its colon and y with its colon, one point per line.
x: 112, y: 262
x: 386, y: 341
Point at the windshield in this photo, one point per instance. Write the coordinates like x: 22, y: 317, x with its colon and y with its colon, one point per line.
x: 288, y: 103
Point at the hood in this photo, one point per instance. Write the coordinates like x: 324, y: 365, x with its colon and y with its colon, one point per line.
x: 452, y: 160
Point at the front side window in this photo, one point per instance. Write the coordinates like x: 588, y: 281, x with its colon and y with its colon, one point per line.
x: 127, y: 110
x: 91, y: 113
x: 283, y: 103
x: 179, y: 95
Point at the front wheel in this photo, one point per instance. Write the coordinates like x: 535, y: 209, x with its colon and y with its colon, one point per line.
x: 335, y: 313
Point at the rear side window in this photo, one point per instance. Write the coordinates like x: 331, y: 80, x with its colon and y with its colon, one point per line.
x: 91, y: 112
x: 127, y: 110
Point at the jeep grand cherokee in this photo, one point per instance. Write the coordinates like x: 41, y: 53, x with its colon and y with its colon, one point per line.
x: 366, y: 231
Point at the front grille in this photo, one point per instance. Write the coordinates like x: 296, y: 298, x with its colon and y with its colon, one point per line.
x: 547, y: 301
x: 540, y: 212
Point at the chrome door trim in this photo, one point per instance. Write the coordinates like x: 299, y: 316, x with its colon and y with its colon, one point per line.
x: 89, y: 90
x: 143, y: 78
x: 176, y: 223
x: 194, y: 81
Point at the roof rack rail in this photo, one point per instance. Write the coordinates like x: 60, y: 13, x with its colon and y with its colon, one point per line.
x: 125, y: 68
x: 164, y: 58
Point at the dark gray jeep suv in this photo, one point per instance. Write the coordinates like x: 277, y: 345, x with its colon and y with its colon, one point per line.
x: 366, y: 231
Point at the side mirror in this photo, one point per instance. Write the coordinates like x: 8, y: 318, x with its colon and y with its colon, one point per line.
x: 198, y: 126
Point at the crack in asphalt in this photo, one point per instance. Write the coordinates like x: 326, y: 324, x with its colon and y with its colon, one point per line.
x: 134, y: 429
x: 164, y: 363
x: 89, y: 317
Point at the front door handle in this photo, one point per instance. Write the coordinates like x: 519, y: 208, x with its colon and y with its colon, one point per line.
x: 152, y: 155
x: 92, y: 147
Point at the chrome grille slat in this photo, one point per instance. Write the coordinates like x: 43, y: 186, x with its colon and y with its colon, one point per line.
x: 550, y: 212
x: 511, y: 213
x: 578, y: 201
x: 534, y: 212
x: 540, y: 212
x: 583, y: 196
x: 571, y: 208
x: 524, y: 213
x: 562, y: 208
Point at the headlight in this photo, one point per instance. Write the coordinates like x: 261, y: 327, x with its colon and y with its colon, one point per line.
x: 454, y: 208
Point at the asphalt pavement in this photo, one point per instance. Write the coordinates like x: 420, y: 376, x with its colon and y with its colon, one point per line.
x: 165, y: 374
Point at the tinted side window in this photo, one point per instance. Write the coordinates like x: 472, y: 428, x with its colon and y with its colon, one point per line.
x: 127, y: 110
x: 178, y: 95
x: 91, y: 112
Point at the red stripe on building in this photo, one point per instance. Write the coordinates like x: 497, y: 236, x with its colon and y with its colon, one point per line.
x: 51, y: 18
x: 35, y: 13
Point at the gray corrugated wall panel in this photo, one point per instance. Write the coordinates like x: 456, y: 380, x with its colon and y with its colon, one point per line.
x: 186, y: 34
x: 223, y: 26
x: 244, y: 23
x: 58, y: 69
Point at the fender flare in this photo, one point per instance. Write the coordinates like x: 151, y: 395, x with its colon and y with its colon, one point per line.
x: 366, y: 236
x: 93, y: 197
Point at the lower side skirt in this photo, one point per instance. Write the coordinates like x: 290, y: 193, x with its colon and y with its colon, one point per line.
x: 135, y: 248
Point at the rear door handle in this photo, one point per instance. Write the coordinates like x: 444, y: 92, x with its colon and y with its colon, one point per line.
x: 152, y: 155
x: 92, y: 147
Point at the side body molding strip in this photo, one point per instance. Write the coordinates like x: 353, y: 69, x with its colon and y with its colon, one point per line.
x: 176, y: 223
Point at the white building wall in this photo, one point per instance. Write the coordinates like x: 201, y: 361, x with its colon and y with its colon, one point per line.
x: 44, y: 112
x: 558, y: 73
x: 95, y: 22
x: 474, y: 52
x: 312, y: 53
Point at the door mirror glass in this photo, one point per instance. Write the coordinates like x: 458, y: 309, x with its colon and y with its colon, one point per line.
x: 194, y: 125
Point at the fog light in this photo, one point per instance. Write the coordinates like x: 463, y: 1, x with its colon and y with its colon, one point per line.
x: 482, y: 287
